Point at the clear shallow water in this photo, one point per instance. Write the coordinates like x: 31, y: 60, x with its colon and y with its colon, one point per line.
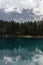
x: 24, y: 51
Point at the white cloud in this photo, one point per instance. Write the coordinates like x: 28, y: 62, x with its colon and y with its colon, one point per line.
x: 9, y: 9
x: 39, y: 7
x: 0, y: 0
x: 9, y: 5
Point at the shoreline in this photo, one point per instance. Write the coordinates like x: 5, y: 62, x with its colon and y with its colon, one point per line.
x: 31, y: 36
x: 24, y: 36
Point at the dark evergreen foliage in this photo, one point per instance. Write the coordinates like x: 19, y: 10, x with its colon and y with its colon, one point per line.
x: 26, y: 28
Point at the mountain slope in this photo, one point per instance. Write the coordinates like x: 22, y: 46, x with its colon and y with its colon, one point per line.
x: 25, y: 15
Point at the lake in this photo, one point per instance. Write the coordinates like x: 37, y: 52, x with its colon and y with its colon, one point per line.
x: 21, y: 51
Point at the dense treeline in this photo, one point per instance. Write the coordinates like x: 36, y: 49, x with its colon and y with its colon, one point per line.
x: 26, y: 28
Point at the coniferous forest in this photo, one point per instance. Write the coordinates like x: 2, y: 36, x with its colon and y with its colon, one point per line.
x: 19, y: 29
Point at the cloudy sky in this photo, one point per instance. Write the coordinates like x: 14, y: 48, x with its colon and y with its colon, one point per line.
x: 19, y: 5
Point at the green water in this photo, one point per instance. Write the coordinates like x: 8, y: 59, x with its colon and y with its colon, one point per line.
x: 21, y: 51
x: 11, y: 43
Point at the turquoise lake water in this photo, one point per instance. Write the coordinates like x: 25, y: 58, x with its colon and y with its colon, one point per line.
x: 21, y: 51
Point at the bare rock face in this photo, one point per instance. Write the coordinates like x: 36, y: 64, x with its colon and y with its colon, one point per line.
x: 25, y: 15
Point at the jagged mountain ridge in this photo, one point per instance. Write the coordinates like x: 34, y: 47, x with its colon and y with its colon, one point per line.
x: 25, y: 15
